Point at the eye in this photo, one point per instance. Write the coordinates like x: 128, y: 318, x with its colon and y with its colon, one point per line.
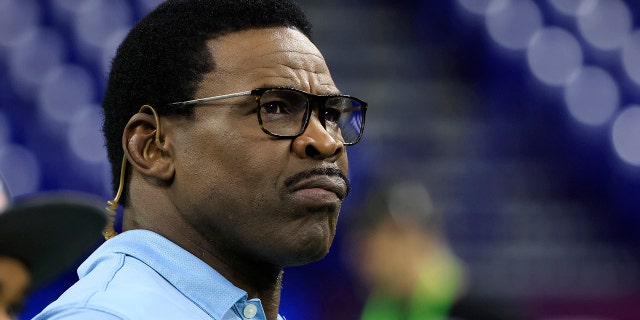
x: 332, y: 114
x: 334, y: 108
x: 276, y: 107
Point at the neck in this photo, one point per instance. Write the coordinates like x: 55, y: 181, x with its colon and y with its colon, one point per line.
x: 258, y: 278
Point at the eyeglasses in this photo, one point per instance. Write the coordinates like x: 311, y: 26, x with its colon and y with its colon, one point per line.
x: 285, y: 112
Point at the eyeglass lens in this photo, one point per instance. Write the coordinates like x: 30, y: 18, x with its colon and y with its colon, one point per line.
x: 283, y: 112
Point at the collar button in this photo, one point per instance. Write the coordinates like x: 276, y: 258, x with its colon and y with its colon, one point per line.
x: 250, y: 311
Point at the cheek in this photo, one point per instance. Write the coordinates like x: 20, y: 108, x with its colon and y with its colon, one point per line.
x: 343, y: 163
x: 209, y: 149
x: 230, y: 170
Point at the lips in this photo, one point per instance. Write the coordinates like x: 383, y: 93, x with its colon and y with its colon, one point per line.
x: 331, y: 184
x: 321, y: 180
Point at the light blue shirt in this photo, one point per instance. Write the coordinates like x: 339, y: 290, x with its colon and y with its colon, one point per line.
x: 142, y: 275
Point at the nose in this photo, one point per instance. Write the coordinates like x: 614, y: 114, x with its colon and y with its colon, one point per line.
x: 316, y: 142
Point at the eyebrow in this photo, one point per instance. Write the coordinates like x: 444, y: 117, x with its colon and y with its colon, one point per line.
x: 271, y: 86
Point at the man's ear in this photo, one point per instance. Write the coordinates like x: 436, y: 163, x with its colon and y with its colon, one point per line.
x: 145, y: 149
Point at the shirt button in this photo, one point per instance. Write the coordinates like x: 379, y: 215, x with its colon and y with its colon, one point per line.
x: 250, y: 311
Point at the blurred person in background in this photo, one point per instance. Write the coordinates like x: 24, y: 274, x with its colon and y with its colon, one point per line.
x: 40, y: 237
x: 227, y: 138
x: 399, y: 251
x: 401, y: 256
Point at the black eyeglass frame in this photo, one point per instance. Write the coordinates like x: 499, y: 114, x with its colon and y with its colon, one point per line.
x: 312, y: 101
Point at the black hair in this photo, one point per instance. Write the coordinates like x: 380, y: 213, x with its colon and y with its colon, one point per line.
x: 164, y: 57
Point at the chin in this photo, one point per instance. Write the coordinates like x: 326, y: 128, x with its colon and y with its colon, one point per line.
x: 310, y: 248
x: 308, y: 257
x: 310, y: 237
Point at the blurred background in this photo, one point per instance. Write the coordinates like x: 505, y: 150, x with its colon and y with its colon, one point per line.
x: 518, y: 119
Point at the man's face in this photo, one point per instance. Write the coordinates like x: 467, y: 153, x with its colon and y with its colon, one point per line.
x: 14, y: 281
x: 250, y: 195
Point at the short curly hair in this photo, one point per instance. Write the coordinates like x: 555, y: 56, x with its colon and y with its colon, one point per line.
x: 164, y: 58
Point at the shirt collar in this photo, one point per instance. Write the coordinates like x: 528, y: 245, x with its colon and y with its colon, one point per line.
x: 195, y: 279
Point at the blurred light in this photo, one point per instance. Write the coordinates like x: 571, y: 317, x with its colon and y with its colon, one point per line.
x: 20, y: 169
x: 68, y: 5
x: 85, y: 135
x: 98, y: 19
x: 109, y: 49
x: 148, y: 5
x: 571, y: 7
x: 63, y: 11
x: 33, y: 58
x: 512, y: 23
x: 17, y: 19
x: 475, y: 6
x: 631, y: 56
x: 606, y: 24
x: 626, y: 135
x: 64, y: 91
x: 592, y: 96
x: 554, y: 55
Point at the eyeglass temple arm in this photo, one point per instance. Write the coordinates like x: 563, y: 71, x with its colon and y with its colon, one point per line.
x: 201, y: 100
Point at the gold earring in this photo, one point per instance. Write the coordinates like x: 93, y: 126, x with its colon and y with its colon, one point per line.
x: 112, y: 205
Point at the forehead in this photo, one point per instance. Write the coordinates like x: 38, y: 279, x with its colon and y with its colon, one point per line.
x: 255, y: 58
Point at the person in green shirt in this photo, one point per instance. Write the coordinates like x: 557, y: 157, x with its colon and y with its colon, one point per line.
x: 402, y: 257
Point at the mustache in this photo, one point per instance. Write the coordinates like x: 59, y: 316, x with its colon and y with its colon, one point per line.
x: 332, y: 172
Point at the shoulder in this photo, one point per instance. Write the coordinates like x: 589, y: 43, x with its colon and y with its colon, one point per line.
x: 142, y: 275
x: 119, y: 287
x: 71, y: 314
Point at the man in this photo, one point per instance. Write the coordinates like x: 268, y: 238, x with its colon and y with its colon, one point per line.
x: 39, y: 238
x: 234, y: 137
